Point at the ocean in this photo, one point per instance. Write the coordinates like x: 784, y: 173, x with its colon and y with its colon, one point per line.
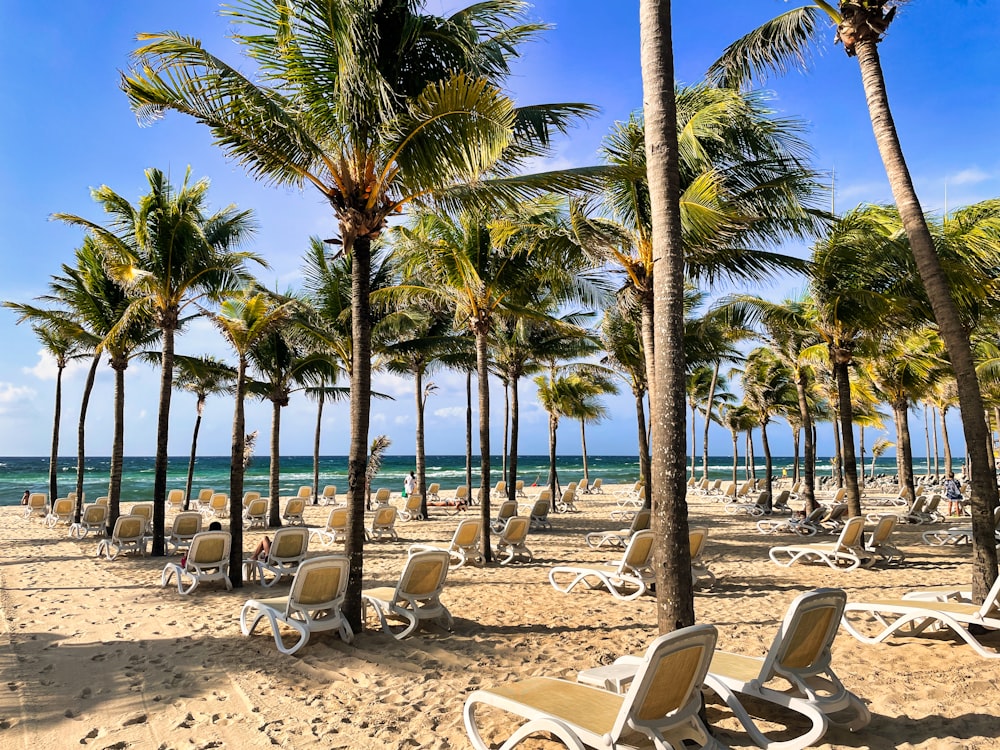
x: 20, y: 474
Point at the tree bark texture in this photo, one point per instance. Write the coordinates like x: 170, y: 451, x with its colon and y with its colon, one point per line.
x: 162, y: 438
x: 81, y: 432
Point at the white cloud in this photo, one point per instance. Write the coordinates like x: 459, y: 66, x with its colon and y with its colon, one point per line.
x: 46, y: 368
x: 970, y: 176
x: 13, y: 398
x: 450, y: 412
x: 401, y: 419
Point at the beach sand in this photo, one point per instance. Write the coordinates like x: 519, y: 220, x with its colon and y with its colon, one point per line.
x: 95, y: 654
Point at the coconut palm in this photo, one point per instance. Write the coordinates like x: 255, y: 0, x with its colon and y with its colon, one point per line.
x: 244, y: 320
x: 204, y: 377
x: 737, y: 419
x: 168, y: 253
x: 584, y: 405
x: 861, y: 24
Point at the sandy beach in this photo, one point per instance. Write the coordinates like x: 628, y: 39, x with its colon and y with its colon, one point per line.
x: 96, y: 654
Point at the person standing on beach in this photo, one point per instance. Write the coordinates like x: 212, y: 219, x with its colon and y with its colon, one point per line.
x: 408, y: 484
x: 25, y: 496
x: 953, y: 493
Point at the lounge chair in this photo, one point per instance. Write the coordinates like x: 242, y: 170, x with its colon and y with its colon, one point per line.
x: 416, y: 597
x: 847, y: 553
x: 754, y: 509
x: 500, y: 490
x: 511, y: 540
x: 204, y: 499
x: 833, y: 520
x: 804, y: 526
x: 383, y: 524
x: 958, y: 534
x: 294, y: 508
x: 879, y: 543
x: 701, y: 576
x: 175, y: 500
x: 185, y: 526
x: 255, y: 514
x: 146, y: 511
x: 129, y: 535
x: 631, y: 498
x: 507, y: 509
x: 597, y: 487
x: 781, y: 505
x: 464, y: 545
x: 382, y: 496
x: 305, y: 492
x: 519, y: 488
x: 434, y: 492
x: 61, y: 512
x: 218, y: 505
x: 619, y: 537
x: 288, y: 550
x: 914, y: 616
x: 567, y: 503
x: 795, y: 673
x: 583, y: 486
x: 94, y: 518
x: 38, y: 505
x: 249, y: 497
x: 313, y: 604
x: 207, y: 559
x: 728, y: 493
x: 412, y: 508
x: 662, y: 702
x: 538, y: 514
x: 103, y: 500
x: 628, y: 578
x: 329, y: 496
x: 335, y: 529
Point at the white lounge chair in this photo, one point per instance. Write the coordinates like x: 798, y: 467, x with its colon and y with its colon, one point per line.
x: 507, y: 509
x: 329, y: 496
x: 38, y: 505
x: 288, y: 549
x: 416, y: 597
x: 464, y: 545
x: 511, y: 541
x: 175, y: 500
x: 313, y: 604
x: 847, y: 553
x: 61, y: 512
x: 662, y: 703
x: 433, y: 492
x: 255, y: 514
x: 627, y: 578
x: 412, y: 507
x: 538, y: 514
x: 184, y: 528
x: 335, y: 529
x: 129, y: 535
x: 207, y: 559
x: 383, y: 524
x: 619, y: 537
x: 880, y: 544
x: 294, y: 508
x: 701, y: 576
x: 94, y: 518
x: 803, y: 526
x: 567, y: 503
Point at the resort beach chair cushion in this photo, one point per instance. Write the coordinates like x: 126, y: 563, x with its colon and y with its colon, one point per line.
x: 335, y: 529
x: 511, y: 541
x: 847, y: 553
x: 288, y: 549
x: 313, y: 604
x: 464, y: 545
x: 294, y: 508
x: 94, y: 518
x: 661, y: 706
x: 129, y: 535
x: 383, y: 524
x: 207, y: 559
x: 416, y: 597
x: 627, y: 578
x: 619, y: 537
x: 914, y: 616
x: 185, y: 526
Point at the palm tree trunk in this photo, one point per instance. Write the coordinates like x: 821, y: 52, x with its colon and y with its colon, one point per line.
x: 861, y: 458
x: 81, y: 429
x: 904, y: 447
x: 767, y: 464
x: 736, y: 455
x: 274, y: 473
x: 850, y: 466
x: 162, y: 437
x: 468, y: 433
x: 515, y: 426
x: 672, y: 554
x: 694, y: 450
x: 945, y: 442
x: 553, y: 428
x: 421, y: 460
x: 506, y: 430
x: 708, y: 419
x: 236, y: 478
x: 118, y: 441
x: 320, y: 399
x: 357, y: 459
x: 956, y: 337
x: 751, y: 460
x: 54, y: 455
x: 837, y: 449
x: 194, y: 452
x: 583, y: 447
x: 483, y: 373
x: 644, y: 458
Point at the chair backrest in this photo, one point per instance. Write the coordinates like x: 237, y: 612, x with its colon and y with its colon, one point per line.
x: 63, y: 506
x: 462, y: 492
x: 730, y: 489
x: 413, y: 502
x: 582, y: 485
x: 145, y: 510
x: 382, y: 495
x: 37, y: 500
x: 515, y: 531
x: 103, y: 500
x: 639, y: 552
x: 717, y: 485
x: 219, y: 501
x: 306, y: 492
x: 467, y: 534
x: 205, y: 495
x: 569, y: 495
x: 320, y: 583
x: 423, y: 575
x: 385, y: 517
x: 745, y: 487
x: 992, y: 601
x: 918, y: 505
x: 597, y: 484
x: 841, y: 494
x: 802, y: 645
x: 501, y: 488
x: 337, y: 520
x: 933, y: 503
x: 519, y: 485
x: 95, y: 514
x: 257, y: 508
x: 782, y: 498
x: 850, y: 535
x: 817, y: 514
x: 175, y: 498
x: 129, y: 527
x: 294, y: 506
x: 186, y: 524
x: 249, y: 497
x: 640, y: 520
x: 290, y: 543
x: 540, y: 509
x: 330, y: 492
x: 508, y: 508
x: 209, y: 548
x: 883, y: 530
x: 836, y: 512
x: 545, y: 494
x: 762, y: 498
x: 669, y: 678
x: 434, y: 489
x: 697, y: 538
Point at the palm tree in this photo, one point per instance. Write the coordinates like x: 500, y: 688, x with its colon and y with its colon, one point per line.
x: 861, y: 25
x: 700, y: 382
x: 168, y: 253
x: 584, y: 406
x: 204, y: 377
x: 737, y: 418
x: 244, y: 320
x: 375, y: 105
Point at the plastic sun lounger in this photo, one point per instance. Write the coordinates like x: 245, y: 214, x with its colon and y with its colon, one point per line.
x: 416, y: 597
x: 207, y: 560
x: 129, y: 535
x: 619, y: 537
x: 288, y: 550
x: 335, y: 529
x: 464, y: 545
x: 511, y: 541
x: 845, y: 554
x: 626, y: 579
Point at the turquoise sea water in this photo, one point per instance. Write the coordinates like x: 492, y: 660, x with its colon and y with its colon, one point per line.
x: 20, y: 474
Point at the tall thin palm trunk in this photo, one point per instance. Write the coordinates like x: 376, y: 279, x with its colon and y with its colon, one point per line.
x: 768, y: 471
x: 506, y: 430
x: 708, y: 419
x: 54, y: 454
x: 162, y: 437
x: 644, y: 457
x: 483, y: 373
x: 515, y: 427
x: 236, y: 469
x: 81, y: 431
x: 274, y: 472
x: 468, y: 433
x: 583, y: 448
x: 199, y: 409
x: 955, y: 336
x: 118, y: 441
x: 904, y: 448
x: 421, y: 459
x: 553, y: 474
x: 946, y: 443
x: 320, y: 399
x: 849, y: 464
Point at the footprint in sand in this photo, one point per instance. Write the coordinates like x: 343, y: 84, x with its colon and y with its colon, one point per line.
x: 85, y: 693
x: 138, y: 719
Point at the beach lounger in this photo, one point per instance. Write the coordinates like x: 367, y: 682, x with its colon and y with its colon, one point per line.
x: 103, y: 500
x: 500, y: 490
x: 662, y: 703
x: 175, y: 500
x: 94, y: 519
x: 38, y: 506
x: 433, y: 492
x: 915, y: 616
x: 728, y: 493
x: 329, y: 496
x: 507, y: 509
x: 207, y: 560
x: 597, y: 488
x: 538, y: 514
x: 511, y: 541
x: 294, y: 508
x: 754, y: 509
x: 701, y: 576
x: 627, y: 578
x: 217, y: 507
x: 416, y: 597
x: 61, y: 512
x: 288, y: 549
x: 567, y: 503
x: 780, y: 505
x: 619, y: 537
x: 957, y: 534
x: 305, y: 492
x: 255, y: 514
x: 249, y: 497
x: 519, y: 488
x: 382, y: 496
x: 880, y: 544
x: 313, y: 604
x: 464, y: 545
x: 383, y: 524
x: 847, y: 553
x: 184, y: 528
x: 146, y: 511
x: 412, y: 508
x: 795, y: 673
x: 129, y: 535
x: 833, y: 520
x: 335, y: 529
x: 808, y: 525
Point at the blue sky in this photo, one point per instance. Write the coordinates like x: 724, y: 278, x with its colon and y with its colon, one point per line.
x: 68, y: 129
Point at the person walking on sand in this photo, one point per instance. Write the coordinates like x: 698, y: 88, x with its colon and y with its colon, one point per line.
x: 953, y: 493
x: 408, y: 484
